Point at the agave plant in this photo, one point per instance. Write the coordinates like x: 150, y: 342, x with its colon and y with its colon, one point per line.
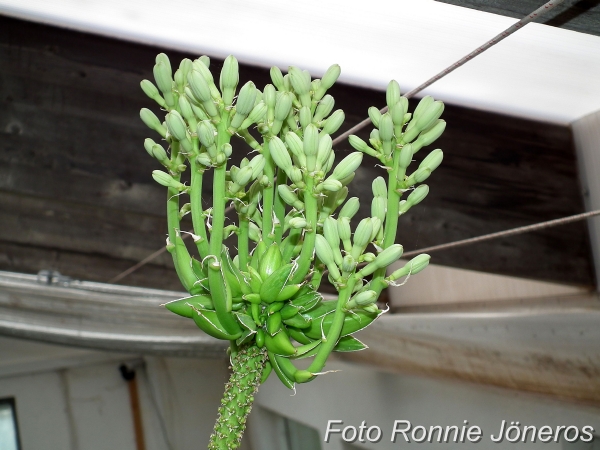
x: 293, y: 217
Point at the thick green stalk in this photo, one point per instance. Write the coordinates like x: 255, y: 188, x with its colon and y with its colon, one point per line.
x: 219, y: 290
x: 268, y: 196
x: 333, y: 335
x: 391, y: 218
x: 247, y: 365
x: 308, y: 247
x: 243, y: 248
x: 279, y: 206
x: 197, y: 212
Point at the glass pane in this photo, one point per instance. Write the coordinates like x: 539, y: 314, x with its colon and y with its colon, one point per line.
x: 8, y: 427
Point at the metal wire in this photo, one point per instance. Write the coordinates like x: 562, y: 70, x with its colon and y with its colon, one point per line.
x: 359, y: 126
x: 511, y: 232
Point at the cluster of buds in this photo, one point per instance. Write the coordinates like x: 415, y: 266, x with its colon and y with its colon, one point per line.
x: 291, y: 200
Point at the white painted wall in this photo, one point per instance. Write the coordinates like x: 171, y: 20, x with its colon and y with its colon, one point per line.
x: 361, y: 393
x: 586, y: 134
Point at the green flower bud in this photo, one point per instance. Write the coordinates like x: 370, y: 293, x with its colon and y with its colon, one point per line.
x: 227, y: 149
x: 186, y: 110
x: 256, y: 115
x: 283, y: 106
x: 311, y: 146
x: 160, y: 154
x: 392, y: 94
x: 405, y: 158
x: 254, y: 232
x: 185, y: 66
x: 398, y: 111
x: 152, y: 122
x: 305, y: 116
x: 379, y: 207
x: 388, y: 256
x: 334, y: 122
x: 299, y: 81
x: 414, y: 266
x: 298, y: 222
x: 296, y: 147
x: 421, y: 174
x: 362, y: 146
x: 325, y: 149
x: 270, y: 96
x: 330, y: 232
x: 324, y: 107
x: 424, y: 103
x: 296, y: 177
x: 243, y: 176
x: 430, y: 115
x: 277, y: 78
x: 433, y: 160
x: 245, y: 101
x: 324, y: 252
x: 167, y: 180
x: 365, y: 298
x: 258, y: 164
x: 206, y: 133
x: 347, y: 166
x: 329, y: 165
x: 418, y: 195
x: 176, y: 125
x: 229, y: 79
x: 328, y: 80
x: 148, y: 144
x: 151, y: 91
x: 348, y: 264
x: 163, y: 76
x: 379, y: 187
x: 374, y: 115
x: 429, y: 136
x: 344, y: 231
x: 201, y: 65
x: 362, y: 236
x: 329, y: 185
x: 350, y: 209
x: 377, y: 222
x: 386, y: 128
x: 204, y: 159
x: 288, y: 196
x: 280, y: 154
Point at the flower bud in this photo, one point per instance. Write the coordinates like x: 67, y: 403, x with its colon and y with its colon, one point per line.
x: 245, y: 101
x: 334, y: 122
x: 362, y: 146
x: 414, y: 266
x: 379, y: 207
x: 152, y: 122
x: 280, y: 154
x: 347, y: 166
x: 433, y: 160
x: 298, y: 222
x: 350, y: 209
x: 176, y: 125
x: 379, y: 187
x: 392, y: 94
x: 324, y: 107
x: 374, y: 115
x: 151, y: 91
x: 167, y: 180
x: 256, y: 115
x: 277, y: 78
x: 418, y: 195
x: 405, y: 158
x: 206, y: 133
x: 229, y: 79
x: 305, y: 116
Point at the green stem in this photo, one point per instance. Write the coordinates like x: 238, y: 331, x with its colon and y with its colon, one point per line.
x: 247, y: 365
x: 391, y: 219
x: 243, y: 248
x: 279, y: 206
x: 219, y: 290
x: 334, y: 332
x: 268, y: 196
x: 308, y: 247
x: 197, y: 212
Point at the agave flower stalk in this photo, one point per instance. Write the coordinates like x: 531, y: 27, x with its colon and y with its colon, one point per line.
x: 293, y: 217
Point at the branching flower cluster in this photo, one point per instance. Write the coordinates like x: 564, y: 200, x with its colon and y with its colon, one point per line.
x: 293, y: 211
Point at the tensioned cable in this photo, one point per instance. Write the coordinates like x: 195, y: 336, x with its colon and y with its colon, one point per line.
x: 510, y: 30
x: 511, y: 232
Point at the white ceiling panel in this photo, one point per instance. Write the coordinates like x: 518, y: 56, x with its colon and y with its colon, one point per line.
x: 540, y: 72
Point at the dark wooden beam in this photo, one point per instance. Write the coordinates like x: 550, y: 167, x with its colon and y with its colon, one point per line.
x: 76, y: 193
x: 582, y: 15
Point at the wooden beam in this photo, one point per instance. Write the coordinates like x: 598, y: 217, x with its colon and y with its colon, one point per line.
x: 72, y: 146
